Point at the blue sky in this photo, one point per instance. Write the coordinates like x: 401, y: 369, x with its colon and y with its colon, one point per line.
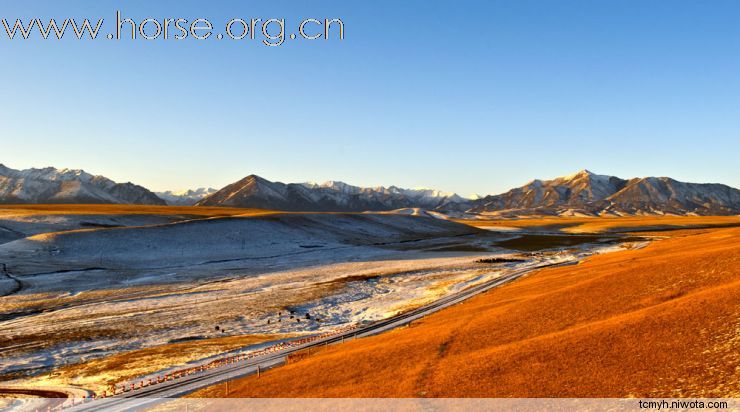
x: 472, y: 97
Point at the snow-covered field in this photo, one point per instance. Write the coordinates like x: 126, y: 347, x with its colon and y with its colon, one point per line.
x: 86, y: 294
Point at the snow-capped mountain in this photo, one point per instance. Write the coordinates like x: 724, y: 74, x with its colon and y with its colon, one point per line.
x: 254, y: 191
x: 50, y: 185
x: 185, y: 197
x: 587, y: 193
x: 583, y: 193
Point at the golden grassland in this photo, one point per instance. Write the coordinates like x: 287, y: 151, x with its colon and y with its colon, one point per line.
x: 606, y: 224
x: 662, y: 321
x: 108, y: 209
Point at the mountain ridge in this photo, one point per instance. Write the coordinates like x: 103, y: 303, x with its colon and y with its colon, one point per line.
x: 333, y: 196
x: 589, y: 194
x: 583, y: 193
x: 51, y: 185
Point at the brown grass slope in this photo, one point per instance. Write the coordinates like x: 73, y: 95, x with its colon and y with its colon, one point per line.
x: 659, y: 321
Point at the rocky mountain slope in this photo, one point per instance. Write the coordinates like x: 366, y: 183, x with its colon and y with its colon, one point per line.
x: 256, y: 192
x: 50, y: 185
x: 587, y: 193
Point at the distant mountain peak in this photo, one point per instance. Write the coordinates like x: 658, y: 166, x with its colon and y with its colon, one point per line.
x: 583, y: 174
x: 186, y: 197
x: 254, y: 177
x: 580, y: 173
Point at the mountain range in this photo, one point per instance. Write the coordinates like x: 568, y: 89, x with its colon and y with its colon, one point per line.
x: 50, y: 185
x: 256, y: 192
x: 589, y: 194
x: 581, y: 194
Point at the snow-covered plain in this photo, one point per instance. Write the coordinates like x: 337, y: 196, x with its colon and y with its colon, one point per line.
x: 95, y: 292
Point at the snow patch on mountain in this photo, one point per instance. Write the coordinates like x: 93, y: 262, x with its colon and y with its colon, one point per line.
x: 51, y: 185
x: 588, y: 194
x: 185, y: 197
x: 257, y: 192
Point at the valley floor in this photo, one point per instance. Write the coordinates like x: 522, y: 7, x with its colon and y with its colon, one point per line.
x: 662, y: 321
x: 92, y: 296
x: 94, y: 300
